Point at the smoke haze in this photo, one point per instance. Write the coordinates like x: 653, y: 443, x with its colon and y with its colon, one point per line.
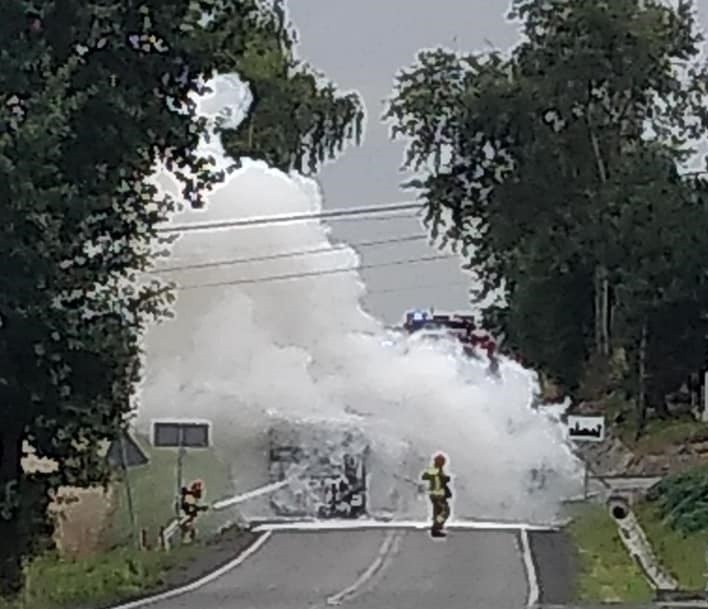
x: 242, y: 351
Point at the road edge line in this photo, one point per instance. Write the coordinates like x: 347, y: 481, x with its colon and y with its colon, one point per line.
x: 203, y: 581
x: 529, y: 565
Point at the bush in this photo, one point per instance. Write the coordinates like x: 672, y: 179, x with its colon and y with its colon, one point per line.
x: 682, y: 500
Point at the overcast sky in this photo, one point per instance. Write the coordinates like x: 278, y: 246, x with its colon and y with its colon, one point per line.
x: 361, y: 44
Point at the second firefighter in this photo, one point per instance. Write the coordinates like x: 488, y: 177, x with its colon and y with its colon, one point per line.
x: 439, y: 493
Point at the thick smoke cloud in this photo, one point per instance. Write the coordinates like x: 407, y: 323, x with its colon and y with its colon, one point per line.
x: 242, y: 350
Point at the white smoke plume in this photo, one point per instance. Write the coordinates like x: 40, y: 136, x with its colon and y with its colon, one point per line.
x: 239, y: 353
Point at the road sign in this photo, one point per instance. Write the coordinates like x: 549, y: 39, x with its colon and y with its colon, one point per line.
x: 586, y: 428
x: 126, y: 452
x: 181, y: 433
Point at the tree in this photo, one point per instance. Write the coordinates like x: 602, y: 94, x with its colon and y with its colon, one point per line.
x: 536, y: 155
x: 320, y: 120
x: 89, y: 92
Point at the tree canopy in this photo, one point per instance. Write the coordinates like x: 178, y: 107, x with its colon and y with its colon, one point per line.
x: 89, y: 92
x: 558, y: 166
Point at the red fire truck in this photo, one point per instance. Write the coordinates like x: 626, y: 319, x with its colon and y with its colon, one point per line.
x: 463, y: 327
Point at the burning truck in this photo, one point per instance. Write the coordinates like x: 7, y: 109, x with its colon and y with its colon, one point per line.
x: 332, y: 457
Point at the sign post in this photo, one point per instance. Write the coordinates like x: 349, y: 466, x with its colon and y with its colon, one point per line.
x: 586, y: 429
x: 181, y: 434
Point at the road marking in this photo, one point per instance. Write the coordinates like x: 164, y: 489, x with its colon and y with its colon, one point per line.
x: 531, y: 575
x: 207, y: 579
x: 339, y: 525
x: 392, y: 539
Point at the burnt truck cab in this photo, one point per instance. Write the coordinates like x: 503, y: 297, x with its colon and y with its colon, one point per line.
x: 333, y: 460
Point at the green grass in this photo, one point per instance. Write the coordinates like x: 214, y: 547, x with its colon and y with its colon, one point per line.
x: 154, y: 489
x: 606, y: 573
x: 683, y: 555
x: 53, y: 583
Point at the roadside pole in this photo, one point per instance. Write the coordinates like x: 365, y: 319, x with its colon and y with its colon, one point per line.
x: 180, y: 466
x: 704, y: 412
x: 129, y: 491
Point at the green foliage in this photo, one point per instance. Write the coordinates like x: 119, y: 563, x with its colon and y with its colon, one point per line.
x: 116, y: 575
x: 549, y: 328
x: 298, y: 120
x: 559, y: 161
x: 682, y: 500
x: 92, y: 94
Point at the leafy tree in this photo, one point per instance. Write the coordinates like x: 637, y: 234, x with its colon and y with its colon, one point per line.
x: 89, y: 92
x: 320, y: 120
x: 540, y: 160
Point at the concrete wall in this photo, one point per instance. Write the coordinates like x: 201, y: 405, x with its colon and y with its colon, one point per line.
x: 82, y: 516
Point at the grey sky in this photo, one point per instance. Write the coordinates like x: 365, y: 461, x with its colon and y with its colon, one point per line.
x: 361, y: 44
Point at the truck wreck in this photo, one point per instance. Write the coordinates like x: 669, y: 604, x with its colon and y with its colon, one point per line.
x: 334, y: 457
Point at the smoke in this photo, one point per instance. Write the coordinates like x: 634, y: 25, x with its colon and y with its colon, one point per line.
x: 245, y: 349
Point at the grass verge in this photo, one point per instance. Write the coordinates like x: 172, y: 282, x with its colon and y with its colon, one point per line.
x: 684, y: 556
x: 154, y: 490
x: 607, y: 573
x: 124, y: 572
x: 112, y: 577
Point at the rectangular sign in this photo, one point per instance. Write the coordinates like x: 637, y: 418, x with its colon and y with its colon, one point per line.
x: 586, y: 429
x: 177, y: 433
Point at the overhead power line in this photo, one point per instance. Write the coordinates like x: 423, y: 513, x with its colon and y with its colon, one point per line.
x: 375, y: 218
x: 291, y: 254
x: 305, y: 274
x: 265, y: 220
x: 429, y: 286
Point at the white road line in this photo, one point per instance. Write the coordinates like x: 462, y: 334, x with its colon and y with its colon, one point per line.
x: 339, y: 525
x: 531, y: 575
x: 372, y: 569
x: 207, y: 579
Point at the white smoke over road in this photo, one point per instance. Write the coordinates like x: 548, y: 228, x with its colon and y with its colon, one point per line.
x: 239, y: 352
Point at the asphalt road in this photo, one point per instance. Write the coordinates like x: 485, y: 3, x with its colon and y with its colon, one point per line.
x: 377, y: 569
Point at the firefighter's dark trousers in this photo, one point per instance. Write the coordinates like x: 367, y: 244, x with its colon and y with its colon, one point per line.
x: 441, y: 512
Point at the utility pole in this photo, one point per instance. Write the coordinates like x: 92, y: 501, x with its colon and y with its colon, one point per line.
x: 180, y: 465
x: 128, y: 490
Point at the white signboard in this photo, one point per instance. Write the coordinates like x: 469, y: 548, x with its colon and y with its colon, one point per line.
x: 586, y: 429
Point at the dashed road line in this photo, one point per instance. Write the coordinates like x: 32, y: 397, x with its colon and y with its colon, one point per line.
x: 389, y: 545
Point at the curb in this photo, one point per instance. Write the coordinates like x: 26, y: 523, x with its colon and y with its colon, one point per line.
x: 685, y: 598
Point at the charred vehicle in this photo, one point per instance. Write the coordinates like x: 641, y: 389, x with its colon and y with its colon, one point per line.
x: 332, y: 458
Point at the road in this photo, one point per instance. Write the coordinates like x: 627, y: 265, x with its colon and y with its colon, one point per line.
x: 376, y: 568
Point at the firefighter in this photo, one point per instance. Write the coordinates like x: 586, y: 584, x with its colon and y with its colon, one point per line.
x: 439, y: 493
x: 190, y: 507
